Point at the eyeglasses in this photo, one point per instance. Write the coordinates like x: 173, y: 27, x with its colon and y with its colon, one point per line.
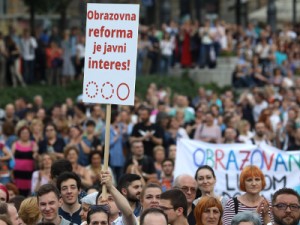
x: 163, y: 208
x: 283, y: 206
x: 186, y: 189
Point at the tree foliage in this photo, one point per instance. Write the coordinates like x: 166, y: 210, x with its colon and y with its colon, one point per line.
x: 47, y: 6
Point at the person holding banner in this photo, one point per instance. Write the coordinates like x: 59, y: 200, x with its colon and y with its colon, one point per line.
x: 206, y: 180
x: 252, y: 182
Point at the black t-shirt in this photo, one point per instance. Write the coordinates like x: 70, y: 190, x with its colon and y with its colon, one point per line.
x: 191, y: 217
x: 293, y: 147
x: 58, y: 146
x: 139, y: 131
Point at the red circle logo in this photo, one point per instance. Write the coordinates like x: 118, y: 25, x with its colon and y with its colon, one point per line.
x: 91, y: 89
x: 107, y: 90
x: 128, y: 91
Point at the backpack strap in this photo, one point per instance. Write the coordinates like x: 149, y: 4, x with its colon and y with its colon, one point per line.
x: 236, y: 205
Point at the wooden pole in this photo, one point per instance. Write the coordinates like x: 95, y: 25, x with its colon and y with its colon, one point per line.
x: 106, y: 146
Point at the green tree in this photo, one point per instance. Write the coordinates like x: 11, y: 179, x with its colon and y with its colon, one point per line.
x: 47, y: 6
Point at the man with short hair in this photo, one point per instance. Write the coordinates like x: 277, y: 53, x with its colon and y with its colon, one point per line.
x: 48, y: 202
x: 69, y: 184
x: 10, y: 211
x: 174, y: 204
x: 130, y: 185
x: 10, y: 115
x: 153, y: 216
x: 167, y: 177
x: 230, y: 136
x: 188, y: 185
x: 150, y: 134
x: 140, y: 162
x: 260, y: 135
x: 117, y: 203
x: 38, y: 102
x: 286, y: 207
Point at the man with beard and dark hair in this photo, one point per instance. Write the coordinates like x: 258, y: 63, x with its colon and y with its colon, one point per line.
x: 150, y: 134
x: 260, y: 135
x: 286, y: 207
x: 130, y: 185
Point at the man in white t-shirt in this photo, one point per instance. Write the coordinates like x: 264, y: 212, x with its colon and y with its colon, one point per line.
x: 28, y: 45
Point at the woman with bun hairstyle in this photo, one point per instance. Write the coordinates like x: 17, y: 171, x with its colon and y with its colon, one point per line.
x: 206, y: 180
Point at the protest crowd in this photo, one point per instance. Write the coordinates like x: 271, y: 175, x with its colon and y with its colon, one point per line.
x: 52, y: 158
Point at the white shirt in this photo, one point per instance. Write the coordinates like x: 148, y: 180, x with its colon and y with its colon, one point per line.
x: 166, y: 47
x: 80, y: 50
x: 258, y: 108
x: 28, y: 47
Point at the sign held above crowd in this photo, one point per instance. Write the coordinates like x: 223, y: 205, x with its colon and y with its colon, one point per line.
x: 110, y: 60
x: 110, y: 53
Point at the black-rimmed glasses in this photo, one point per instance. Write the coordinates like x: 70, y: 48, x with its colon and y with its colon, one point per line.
x: 283, y: 206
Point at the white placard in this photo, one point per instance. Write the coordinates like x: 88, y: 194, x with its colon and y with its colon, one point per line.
x: 110, y: 53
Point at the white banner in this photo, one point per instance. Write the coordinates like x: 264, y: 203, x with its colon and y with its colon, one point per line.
x: 110, y: 53
x: 281, y: 168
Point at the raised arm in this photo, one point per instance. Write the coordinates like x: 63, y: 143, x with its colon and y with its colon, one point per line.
x: 120, y: 200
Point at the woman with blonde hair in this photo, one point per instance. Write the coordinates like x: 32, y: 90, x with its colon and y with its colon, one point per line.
x: 36, y: 128
x: 29, y: 211
x: 252, y: 182
x: 43, y: 175
x: 245, y: 134
x: 208, y: 211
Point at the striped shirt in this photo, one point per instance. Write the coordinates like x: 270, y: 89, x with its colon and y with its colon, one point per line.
x: 229, y: 211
